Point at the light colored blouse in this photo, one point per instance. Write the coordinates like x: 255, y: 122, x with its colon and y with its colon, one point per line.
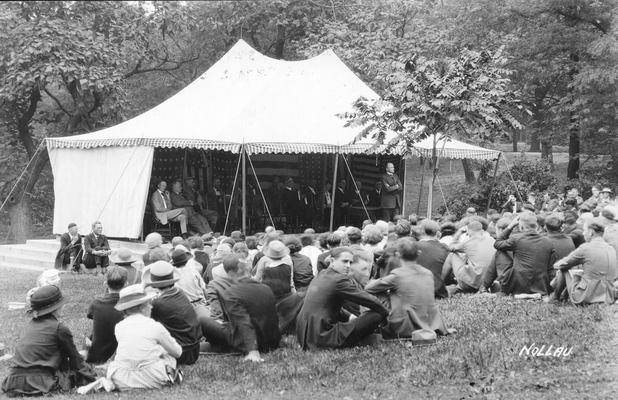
x: 141, y: 339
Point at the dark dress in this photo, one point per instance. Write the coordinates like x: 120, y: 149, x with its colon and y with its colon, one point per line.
x: 46, y: 360
x: 174, y: 311
x: 321, y: 322
x: 104, y: 319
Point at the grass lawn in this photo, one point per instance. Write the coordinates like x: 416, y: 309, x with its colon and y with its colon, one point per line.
x: 481, y: 361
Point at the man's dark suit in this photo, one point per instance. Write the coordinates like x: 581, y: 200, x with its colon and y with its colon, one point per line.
x: 251, y: 310
x: 341, y: 210
x: 68, y: 250
x: 94, y: 242
x: 390, y: 201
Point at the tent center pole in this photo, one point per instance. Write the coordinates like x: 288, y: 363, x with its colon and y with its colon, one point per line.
x: 334, y: 188
x: 244, y: 191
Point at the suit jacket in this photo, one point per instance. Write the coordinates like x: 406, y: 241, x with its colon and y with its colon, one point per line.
x: 375, y: 198
x: 290, y: 200
x: 91, y: 243
x: 310, y: 197
x: 391, y: 194
x: 533, y: 261
x: 64, y: 254
x: 413, y: 305
x: 320, y: 322
x: 432, y: 256
x: 159, y: 207
x: 179, y: 201
x: 250, y: 306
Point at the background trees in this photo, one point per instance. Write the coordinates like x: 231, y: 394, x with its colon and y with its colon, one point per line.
x: 74, y: 67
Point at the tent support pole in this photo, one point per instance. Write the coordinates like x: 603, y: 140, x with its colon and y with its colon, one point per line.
x: 334, y: 188
x: 491, y: 192
x: 257, y: 182
x: 402, y: 171
x: 420, y: 192
x: 229, y: 208
x: 356, y: 188
x: 244, y: 191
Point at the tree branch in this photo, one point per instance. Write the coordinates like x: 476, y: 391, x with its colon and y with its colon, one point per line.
x: 55, y: 99
x: 159, y: 67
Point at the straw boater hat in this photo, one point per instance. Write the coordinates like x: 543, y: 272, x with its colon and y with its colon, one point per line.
x: 160, y: 274
x: 122, y: 256
x: 606, y: 190
x: 276, y: 250
x: 132, y: 296
x: 46, y: 300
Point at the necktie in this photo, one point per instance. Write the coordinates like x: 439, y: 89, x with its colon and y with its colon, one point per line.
x: 164, y: 202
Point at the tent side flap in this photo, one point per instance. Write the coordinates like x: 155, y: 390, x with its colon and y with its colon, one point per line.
x: 107, y: 184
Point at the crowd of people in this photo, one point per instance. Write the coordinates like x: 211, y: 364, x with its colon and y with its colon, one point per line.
x: 353, y: 286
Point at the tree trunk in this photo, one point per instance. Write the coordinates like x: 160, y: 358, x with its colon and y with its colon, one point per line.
x: 20, y: 219
x: 468, y: 172
x: 615, y: 159
x: 537, y: 111
x: 573, y: 167
x: 547, y: 153
x: 515, y: 137
x: 280, y: 42
x: 535, y: 143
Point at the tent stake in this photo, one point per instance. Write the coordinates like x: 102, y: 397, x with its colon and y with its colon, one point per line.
x: 332, y: 197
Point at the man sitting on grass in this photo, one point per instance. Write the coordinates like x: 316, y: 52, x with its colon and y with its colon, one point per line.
x: 322, y: 323
x: 533, y: 257
x: 410, y: 291
x: 174, y: 311
x: 598, y: 259
x: 250, y: 306
x: 105, y: 317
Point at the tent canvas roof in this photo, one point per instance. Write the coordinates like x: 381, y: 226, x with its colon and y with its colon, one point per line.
x: 274, y: 106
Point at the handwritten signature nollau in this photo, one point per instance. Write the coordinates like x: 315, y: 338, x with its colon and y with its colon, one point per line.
x: 545, y: 351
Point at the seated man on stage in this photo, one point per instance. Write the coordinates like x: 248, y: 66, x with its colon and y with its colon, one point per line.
x: 162, y: 207
x: 70, y: 244
x: 192, y: 194
x: 97, y: 250
x: 196, y: 221
x: 322, y: 322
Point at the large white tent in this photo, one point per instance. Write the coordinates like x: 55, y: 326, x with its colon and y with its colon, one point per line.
x: 245, y: 102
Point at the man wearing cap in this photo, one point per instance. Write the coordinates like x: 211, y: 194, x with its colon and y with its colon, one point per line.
x: 252, y: 324
x: 605, y: 197
x: 70, y: 245
x: 105, y: 317
x: 46, y: 359
x: 97, y: 249
x: 390, y: 200
x: 533, y: 257
x: 190, y: 282
x: 162, y: 207
x: 172, y: 309
x: 600, y: 270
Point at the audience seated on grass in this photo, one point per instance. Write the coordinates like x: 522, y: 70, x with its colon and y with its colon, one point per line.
x: 174, y: 311
x: 104, y: 316
x: 249, y: 306
x: 319, y: 323
x: 147, y: 353
x: 594, y: 283
x: 410, y: 292
x: 46, y: 359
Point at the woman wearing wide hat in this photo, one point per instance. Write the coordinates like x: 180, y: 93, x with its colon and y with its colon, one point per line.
x: 46, y: 359
x: 124, y: 257
x: 146, y: 354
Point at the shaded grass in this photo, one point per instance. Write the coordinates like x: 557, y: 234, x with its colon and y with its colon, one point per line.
x: 481, y: 361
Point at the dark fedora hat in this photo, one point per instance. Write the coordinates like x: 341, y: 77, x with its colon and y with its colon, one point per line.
x: 46, y: 300
x: 180, y: 257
